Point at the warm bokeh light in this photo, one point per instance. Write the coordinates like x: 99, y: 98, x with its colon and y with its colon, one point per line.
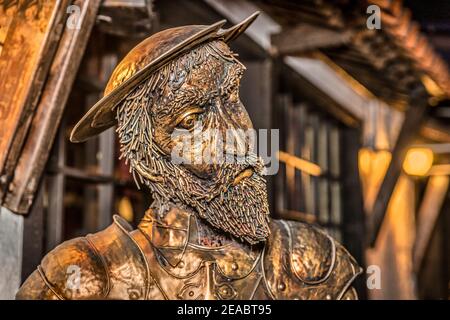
x: 418, y: 161
x: 365, y: 161
x: 440, y: 170
x: 432, y: 87
x: 371, y: 162
x: 125, y: 209
x: 300, y: 164
x: 372, y: 168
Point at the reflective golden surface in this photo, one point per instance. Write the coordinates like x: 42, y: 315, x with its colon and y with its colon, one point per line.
x: 298, y: 262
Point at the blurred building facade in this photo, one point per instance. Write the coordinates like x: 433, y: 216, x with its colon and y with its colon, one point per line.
x: 351, y: 85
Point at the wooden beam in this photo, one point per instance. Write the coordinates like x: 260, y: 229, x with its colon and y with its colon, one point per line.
x: 56, y: 187
x: 33, y: 239
x: 306, y: 37
x: 428, y: 214
x: 298, y: 216
x: 437, y: 148
x: 324, y: 78
x: 398, y: 25
x: 126, y: 18
x: 27, y: 52
x: 299, y: 118
x: 345, y: 102
x: 50, y: 109
x: 435, y: 131
x: 410, y: 127
x: 353, y: 217
x: 440, y: 170
x: 238, y: 10
x: 300, y: 164
x: 82, y: 175
x: 288, y: 110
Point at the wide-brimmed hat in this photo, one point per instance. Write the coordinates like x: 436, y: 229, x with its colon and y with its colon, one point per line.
x: 142, y: 61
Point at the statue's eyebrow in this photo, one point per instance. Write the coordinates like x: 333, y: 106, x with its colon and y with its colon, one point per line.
x: 194, y: 95
x: 186, y: 102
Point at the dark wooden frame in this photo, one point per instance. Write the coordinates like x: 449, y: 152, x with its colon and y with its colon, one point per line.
x: 25, y: 178
x: 24, y: 66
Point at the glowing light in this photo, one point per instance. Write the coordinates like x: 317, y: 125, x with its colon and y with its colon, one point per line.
x: 373, y: 162
x: 125, y: 209
x: 432, y: 87
x: 365, y: 161
x: 418, y: 161
x: 440, y: 170
x: 372, y: 168
x: 300, y: 164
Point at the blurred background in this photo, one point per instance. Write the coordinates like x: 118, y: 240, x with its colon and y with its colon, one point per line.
x: 358, y: 89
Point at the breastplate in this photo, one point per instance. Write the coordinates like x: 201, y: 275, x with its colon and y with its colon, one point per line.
x: 194, y: 272
x: 158, y: 261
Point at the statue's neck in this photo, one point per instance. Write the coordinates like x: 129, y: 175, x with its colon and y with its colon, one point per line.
x: 206, y: 235
x: 178, y: 225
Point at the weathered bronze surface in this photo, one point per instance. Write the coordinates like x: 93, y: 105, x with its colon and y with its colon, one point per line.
x: 49, y: 109
x: 208, y: 234
x: 24, y: 65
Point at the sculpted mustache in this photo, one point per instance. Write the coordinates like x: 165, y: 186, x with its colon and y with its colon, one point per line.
x: 227, y: 174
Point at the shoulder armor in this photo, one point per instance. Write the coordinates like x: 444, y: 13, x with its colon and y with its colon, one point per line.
x: 73, y: 270
x: 57, y: 275
x: 107, y: 264
x: 303, y: 262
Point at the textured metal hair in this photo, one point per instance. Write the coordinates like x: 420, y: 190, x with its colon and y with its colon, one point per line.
x: 134, y: 114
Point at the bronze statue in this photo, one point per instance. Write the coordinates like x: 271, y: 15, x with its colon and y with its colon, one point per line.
x: 208, y: 234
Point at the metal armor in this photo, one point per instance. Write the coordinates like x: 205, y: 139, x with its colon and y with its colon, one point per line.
x: 159, y: 261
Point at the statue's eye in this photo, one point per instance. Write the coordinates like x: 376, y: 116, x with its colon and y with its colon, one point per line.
x: 187, y: 120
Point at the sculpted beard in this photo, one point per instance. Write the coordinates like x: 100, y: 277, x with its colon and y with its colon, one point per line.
x: 240, y: 210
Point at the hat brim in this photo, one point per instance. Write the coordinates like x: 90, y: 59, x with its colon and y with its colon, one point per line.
x: 101, y: 116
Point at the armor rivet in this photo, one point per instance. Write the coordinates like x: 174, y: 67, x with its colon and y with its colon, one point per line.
x: 281, y: 286
x: 234, y: 266
x: 181, y: 264
x: 191, y: 293
x: 328, y: 297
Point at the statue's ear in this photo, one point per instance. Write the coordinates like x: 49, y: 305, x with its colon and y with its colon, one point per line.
x: 233, y: 32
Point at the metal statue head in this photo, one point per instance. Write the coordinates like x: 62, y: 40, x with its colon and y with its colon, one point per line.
x: 175, y: 98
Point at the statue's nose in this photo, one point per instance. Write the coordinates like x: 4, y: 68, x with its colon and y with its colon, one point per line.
x: 236, y: 128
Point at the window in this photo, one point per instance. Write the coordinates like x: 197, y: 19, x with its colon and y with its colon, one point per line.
x: 302, y: 193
